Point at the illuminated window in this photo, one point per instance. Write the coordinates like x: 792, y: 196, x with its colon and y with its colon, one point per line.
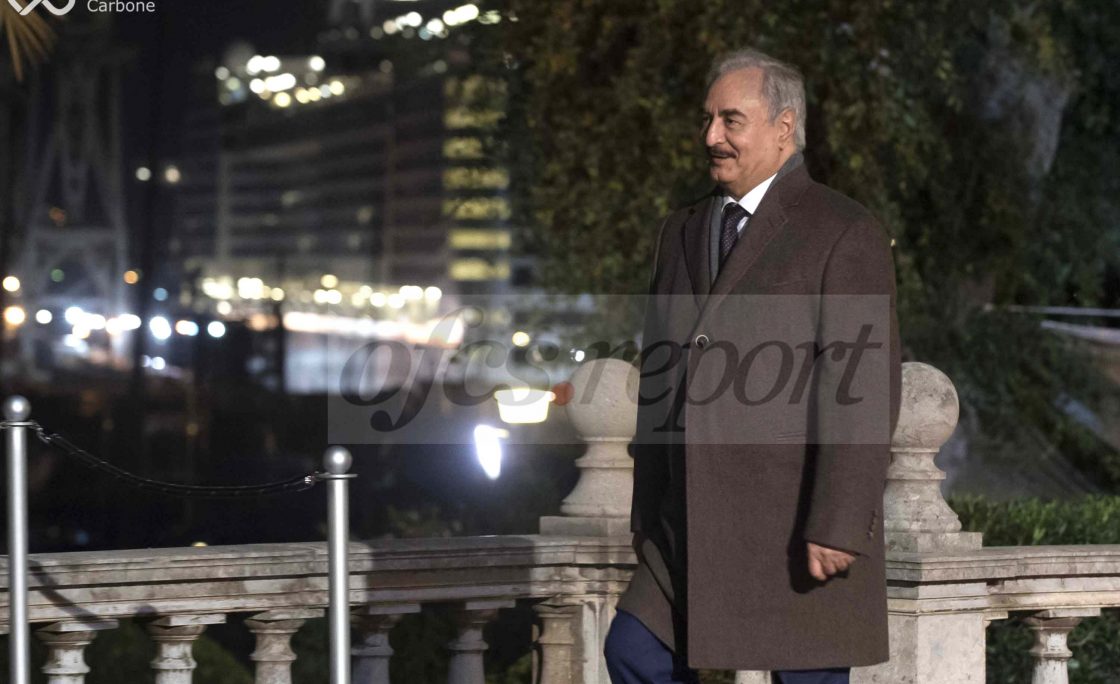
x: 479, y: 239
x: 478, y: 269
x: 462, y: 148
x: 465, y: 117
x: 477, y: 208
x: 475, y: 179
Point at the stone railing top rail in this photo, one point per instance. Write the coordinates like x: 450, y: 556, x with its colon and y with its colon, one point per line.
x: 271, y: 577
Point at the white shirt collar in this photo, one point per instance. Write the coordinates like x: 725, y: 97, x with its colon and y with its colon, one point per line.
x: 751, y: 200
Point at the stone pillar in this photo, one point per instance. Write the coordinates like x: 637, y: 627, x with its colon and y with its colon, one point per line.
x: 555, y: 659
x: 1051, y: 633
x: 927, y: 644
x: 274, y: 655
x: 467, y: 648
x: 66, y: 643
x: 372, y: 652
x: 175, y: 636
x: 604, y: 410
x: 916, y: 516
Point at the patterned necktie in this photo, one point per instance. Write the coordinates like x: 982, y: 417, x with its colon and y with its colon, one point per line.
x: 733, y: 213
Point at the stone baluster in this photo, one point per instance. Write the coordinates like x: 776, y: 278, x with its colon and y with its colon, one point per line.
x: 554, y: 651
x: 175, y: 636
x: 603, y: 410
x: 467, y: 648
x: 66, y: 642
x: 927, y: 646
x: 372, y: 652
x: 273, y: 630
x: 1051, y: 633
x: 916, y: 516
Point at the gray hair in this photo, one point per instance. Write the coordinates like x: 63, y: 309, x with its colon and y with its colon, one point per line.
x: 782, y: 85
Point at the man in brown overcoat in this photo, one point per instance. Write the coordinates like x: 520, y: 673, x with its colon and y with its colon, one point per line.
x: 757, y: 514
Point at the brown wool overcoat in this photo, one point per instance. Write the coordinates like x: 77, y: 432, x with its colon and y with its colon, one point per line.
x: 721, y: 520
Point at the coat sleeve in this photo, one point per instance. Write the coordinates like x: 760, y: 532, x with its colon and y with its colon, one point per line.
x: 648, y: 447
x: 849, y: 472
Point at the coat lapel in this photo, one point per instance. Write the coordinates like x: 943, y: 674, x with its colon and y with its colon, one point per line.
x: 767, y: 222
x: 696, y: 236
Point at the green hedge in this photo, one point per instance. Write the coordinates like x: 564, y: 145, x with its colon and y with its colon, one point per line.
x: 1027, y: 522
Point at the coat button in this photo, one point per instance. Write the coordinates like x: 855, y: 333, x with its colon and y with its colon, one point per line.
x: 701, y: 341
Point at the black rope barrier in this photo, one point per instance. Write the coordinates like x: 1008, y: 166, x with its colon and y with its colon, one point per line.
x: 60, y: 443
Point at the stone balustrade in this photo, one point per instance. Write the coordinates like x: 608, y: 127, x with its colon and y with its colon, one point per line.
x: 944, y: 587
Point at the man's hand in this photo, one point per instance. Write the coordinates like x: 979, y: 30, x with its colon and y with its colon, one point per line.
x: 825, y: 562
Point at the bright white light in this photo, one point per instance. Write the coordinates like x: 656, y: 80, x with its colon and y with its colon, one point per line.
x: 523, y: 404
x: 432, y: 293
x: 412, y: 19
x: 578, y: 355
x: 73, y: 314
x: 43, y: 316
x: 396, y: 300
x: 257, y: 85
x: 411, y: 291
x: 277, y: 294
x: 337, y: 87
x: 334, y: 297
x: 224, y: 308
x: 280, y: 82
x: 158, y: 363
x: 329, y: 281
x: 185, y: 327
x: 488, y: 449
x: 317, y: 63
x: 520, y: 338
x: 15, y: 316
x: 11, y: 284
x: 93, y: 321
x: 145, y: 361
x: 390, y: 27
x: 283, y: 100
x: 270, y: 63
x: 377, y: 299
x: 216, y: 329
x: 143, y: 173
x: 460, y: 15
x: 434, y: 25
x: 129, y: 321
x: 301, y: 96
x: 172, y: 175
x: 255, y: 64
x: 160, y: 327
x: 222, y: 73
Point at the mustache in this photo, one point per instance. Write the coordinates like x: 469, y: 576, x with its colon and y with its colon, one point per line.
x: 720, y: 152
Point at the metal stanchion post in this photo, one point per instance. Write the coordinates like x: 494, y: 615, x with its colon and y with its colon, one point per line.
x: 336, y: 461
x: 17, y: 410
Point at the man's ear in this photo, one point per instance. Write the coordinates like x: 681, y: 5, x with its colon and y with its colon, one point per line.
x: 786, y: 124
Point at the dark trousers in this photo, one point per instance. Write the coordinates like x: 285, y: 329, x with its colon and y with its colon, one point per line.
x: 635, y: 656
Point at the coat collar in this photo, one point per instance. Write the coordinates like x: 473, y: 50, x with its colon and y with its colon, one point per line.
x: 784, y: 192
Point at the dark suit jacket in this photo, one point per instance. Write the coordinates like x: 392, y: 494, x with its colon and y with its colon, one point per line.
x: 729, y: 483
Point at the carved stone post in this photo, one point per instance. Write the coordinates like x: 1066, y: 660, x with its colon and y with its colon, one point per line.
x: 175, y: 636
x: 467, y: 648
x: 927, y: 646
x: 66, y: 642
x: 274, y: 655
x: 372, y: 652
x: 916, y: 516
x: 1051, y: 634
x: 554, y: 652
x: 604, y: 409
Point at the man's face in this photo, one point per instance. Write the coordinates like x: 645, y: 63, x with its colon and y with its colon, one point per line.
x: 744, y: 147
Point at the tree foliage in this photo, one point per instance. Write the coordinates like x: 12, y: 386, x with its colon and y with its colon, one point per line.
x: 981, y: 134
